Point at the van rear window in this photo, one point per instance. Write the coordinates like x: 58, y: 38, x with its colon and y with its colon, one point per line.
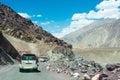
x: 26, y: 57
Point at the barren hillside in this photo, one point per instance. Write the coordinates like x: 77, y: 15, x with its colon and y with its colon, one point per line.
x: 26, y: 36
x: 102, y: 33
x: 7, y: 51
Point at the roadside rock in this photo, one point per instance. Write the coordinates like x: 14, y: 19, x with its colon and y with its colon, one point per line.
x: 77, y: 69
x: 96, y: 77
x: 86, y: 77
x: 112, y: 73
x: 110, y: 67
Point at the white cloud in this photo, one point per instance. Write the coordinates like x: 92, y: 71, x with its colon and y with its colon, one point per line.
x: 25, y: 15
x: 35, y: 22
x: 39, y: 15
x: 105, y: 9
x: 78, y: 21
x: 78, y: 16
x: 107, y: 4
x: 58, y: 35
x: 45, y: 23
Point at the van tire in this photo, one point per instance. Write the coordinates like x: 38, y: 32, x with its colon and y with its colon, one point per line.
x: 20, y: 70
x: 36, y: 69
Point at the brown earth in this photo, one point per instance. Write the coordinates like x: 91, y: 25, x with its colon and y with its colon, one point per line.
x: 100, y: 55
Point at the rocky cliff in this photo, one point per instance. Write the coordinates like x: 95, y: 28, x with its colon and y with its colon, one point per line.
x: 102, y: 33
x: 7, y: 51
x: 26, y: 36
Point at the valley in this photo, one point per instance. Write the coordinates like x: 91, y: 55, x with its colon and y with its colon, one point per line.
x: 100, y: 55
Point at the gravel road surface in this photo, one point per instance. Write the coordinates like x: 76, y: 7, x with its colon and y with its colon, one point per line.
x: 11, y: 72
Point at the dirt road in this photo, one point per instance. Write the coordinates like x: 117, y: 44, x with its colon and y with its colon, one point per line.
x: 12, y: 73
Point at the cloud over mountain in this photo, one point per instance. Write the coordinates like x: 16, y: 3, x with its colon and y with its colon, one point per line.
x: 105, y: 9
x: 25, y: 15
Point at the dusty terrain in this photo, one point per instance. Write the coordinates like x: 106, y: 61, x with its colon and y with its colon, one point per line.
x: 11, y: 72
x: 100, y: 55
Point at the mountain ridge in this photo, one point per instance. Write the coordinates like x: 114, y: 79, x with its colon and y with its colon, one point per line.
x: 102, y: 33
x: 27, y: 35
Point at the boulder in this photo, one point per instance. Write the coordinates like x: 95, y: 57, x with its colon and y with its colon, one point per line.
x: 110, y: 67
x: 76, y: 75
x: 103, y: 76
x: 86, y: 77
x: 96, y: 77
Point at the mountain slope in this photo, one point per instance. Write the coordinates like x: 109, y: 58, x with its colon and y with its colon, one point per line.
x: 26, y: 36
x: 103, y: 33
x: 7, y: 51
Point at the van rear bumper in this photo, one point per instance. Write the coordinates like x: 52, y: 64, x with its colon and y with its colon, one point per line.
x: 28, y: 67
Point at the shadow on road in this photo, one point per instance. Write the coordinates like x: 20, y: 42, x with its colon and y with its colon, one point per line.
x: 30, y: 71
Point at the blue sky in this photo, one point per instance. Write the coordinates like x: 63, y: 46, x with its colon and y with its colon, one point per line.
x: 61, y: 17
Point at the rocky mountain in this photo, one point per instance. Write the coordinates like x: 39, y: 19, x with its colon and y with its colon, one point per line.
x: 102, y: 33
x: 7, y: 51
x: 27, y: 36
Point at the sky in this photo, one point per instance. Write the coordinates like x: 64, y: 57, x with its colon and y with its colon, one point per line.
x: 61, y: 17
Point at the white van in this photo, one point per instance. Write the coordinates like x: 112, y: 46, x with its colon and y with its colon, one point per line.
x: 28, y: 61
